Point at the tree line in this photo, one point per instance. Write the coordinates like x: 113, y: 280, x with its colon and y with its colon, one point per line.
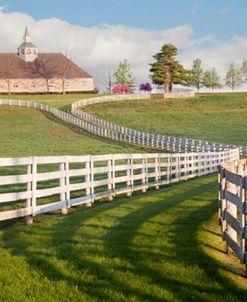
x: 166, y: 71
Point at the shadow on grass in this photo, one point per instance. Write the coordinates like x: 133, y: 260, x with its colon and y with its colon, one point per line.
x: 139, y: 249
x: 83, y: 132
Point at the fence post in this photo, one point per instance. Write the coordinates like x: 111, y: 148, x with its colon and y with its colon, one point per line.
x: 29, y: 218
x: 63, y: 184
x: 129, y: 175
x: 91, y: 182
x: 110, y: 178
x: 144, y: 174
x: 34, y: 184
x: 157, y: 172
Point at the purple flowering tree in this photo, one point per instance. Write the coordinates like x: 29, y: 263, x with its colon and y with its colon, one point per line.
x: 145, y: 87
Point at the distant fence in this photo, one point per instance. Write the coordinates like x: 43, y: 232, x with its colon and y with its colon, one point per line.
x: 179, y: 95
x: 34, y: 185
x: 103, y: 128
x: 233, y: 207
x: 158, y: 141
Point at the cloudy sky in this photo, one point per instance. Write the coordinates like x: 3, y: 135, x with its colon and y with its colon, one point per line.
x: 99, y: 34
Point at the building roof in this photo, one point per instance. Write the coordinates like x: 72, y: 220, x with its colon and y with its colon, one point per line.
x: 47, y: 65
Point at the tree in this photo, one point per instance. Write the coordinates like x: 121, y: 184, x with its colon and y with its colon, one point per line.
x: 118, y: 88
x: 145, y: 87
x: 45, y: 67
x: 6, y: 71
x: 211, y: 79
x: 123, y: 74
x: 196, y: 78
x: 233, y: 76
x: 109, y: 83
x: 243, y: 71
x: 166, y: 70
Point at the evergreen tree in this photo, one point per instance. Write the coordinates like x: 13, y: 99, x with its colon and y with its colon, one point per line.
x: 196, y: 78
x: 166, y: 70
x: 123, y: 74
x: 233, y: 76
x: 211, y: 79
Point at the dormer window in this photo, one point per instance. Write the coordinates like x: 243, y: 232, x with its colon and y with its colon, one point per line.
x: 29, y: 51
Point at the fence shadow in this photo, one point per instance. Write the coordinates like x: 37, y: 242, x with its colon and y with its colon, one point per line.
x: 100, y: 245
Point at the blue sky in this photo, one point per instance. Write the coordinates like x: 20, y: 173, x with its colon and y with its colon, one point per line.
x: 101, y: 33
x: 223, y: 18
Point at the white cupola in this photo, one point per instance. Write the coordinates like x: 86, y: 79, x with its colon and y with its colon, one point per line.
x: 27, y: 51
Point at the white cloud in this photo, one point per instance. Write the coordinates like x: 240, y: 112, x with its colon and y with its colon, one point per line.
x: 223, y: 11
x: 98, y: 49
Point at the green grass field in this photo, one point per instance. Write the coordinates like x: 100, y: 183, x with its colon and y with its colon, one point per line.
x: 159, y: 246
x: 217, y: 117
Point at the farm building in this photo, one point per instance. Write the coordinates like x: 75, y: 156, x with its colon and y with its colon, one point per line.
x: 32, y: 72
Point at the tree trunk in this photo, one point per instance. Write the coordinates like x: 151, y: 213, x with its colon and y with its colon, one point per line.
x: 47, y: 85
x: 8, y: 83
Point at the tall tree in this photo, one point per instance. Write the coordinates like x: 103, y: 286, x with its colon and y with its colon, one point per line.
x: 243, y: 70
x: 166, y: 70
x: 233, y: 77
x: 123, y: 74
x: 6, y: 71
x: 109, y: 83
x: 211, y: 79
x: 196, y: 77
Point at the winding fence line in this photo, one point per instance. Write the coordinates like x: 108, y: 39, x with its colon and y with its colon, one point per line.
x: 102, y: 128
x: 162, y: 142
x: 34, y: 185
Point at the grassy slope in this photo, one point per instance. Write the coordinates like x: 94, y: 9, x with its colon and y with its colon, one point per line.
x: 153, y: 247
x: 56, y: 100
x: 217, y: 117
x: 28, y: 132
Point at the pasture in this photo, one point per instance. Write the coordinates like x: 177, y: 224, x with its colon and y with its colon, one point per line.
x: 214, y: 117
x: 160, y: 246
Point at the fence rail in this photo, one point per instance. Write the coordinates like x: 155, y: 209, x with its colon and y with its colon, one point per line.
x: 34, y: 185
x: 159, y: 141
x: 115, y: 132
x: 233, y: 207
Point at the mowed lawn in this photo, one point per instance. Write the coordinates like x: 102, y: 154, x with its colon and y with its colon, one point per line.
x: 158, y: 246
x: 29, y: 132
x: 215, y: 117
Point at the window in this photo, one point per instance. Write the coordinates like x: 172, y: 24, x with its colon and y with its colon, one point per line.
x: 15, y: 85
x: 28, y: 51
x: 67, y: 84
x: 35, y: 51
x: 22, y: 51
x: 84, y: 83
x: 33, y: 84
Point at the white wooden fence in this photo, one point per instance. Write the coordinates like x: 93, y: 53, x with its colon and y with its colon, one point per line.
x: 115, y: 132
x: 233, y: 207
x: 158, y: 141
x: 34, y: 185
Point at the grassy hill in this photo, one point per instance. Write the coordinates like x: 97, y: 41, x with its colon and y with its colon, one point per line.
x: 28, y: 132
x: 215, y: 117
x: 160, y: 246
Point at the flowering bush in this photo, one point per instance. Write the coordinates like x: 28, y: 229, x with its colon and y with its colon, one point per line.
x: 96, y: 89
x: 145, y: 87
x: 121, y: 89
